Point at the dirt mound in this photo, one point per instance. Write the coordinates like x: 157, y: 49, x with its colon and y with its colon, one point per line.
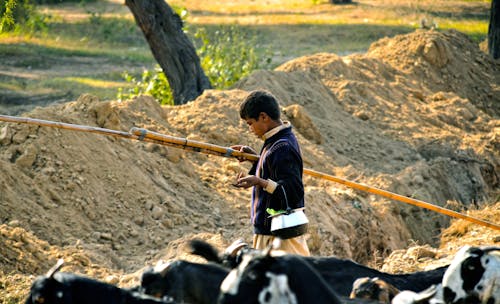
x: 110, y: 206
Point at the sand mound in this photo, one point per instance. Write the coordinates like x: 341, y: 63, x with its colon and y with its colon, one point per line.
x: 417, y: 115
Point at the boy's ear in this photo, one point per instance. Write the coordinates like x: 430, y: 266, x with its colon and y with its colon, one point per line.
x: 263, y: 115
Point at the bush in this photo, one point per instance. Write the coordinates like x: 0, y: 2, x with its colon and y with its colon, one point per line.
x: 152, y: 83
x: 226, y: 56
x: 17, y: 15
x: 61, y: 1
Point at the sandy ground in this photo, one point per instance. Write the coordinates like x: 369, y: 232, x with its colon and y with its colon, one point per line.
x: 417, y: 115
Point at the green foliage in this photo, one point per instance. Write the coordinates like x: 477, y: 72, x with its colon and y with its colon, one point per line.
x: 20, y: 15
x: 152, y: 83
x: 62, y: 1
x: 226, y: 56
x: 7, y: 22
x: 108, y: 29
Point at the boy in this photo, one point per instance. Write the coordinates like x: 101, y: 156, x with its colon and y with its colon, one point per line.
x: 277, y: 177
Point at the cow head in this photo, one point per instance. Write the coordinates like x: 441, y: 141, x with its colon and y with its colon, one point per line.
x: 373, y: 289
x: 152, y: 279
x: 46, y: 289
x: 257, y: 279
x: 473, y: 276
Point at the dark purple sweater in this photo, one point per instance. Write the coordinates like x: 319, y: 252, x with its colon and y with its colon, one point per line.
x: 281, y: 161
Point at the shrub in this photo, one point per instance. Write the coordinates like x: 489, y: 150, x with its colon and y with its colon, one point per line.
x: 152, y: 83
x: 19, y: 15
x: 226, y: 57
x: 61, y: 1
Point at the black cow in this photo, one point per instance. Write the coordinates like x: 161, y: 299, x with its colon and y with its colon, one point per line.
x: 184, y: 282
x: 67, y: 288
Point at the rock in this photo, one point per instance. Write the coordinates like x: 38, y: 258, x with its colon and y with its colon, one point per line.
x: 5, y: 136
x: 28, y: 158
x: 157, y: 212
x: 301, y: 120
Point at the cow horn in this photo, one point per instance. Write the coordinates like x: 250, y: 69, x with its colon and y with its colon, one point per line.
x: 162, y: 267
x: 55, y: 268
x: 235, y: 246
x: 267, y: 251
x: 426, y: 294
x: 488, y: 249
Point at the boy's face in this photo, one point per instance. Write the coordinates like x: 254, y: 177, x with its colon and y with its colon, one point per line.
x: 260, y: 125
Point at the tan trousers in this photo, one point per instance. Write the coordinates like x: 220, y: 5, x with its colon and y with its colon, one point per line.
x: 296, y: 245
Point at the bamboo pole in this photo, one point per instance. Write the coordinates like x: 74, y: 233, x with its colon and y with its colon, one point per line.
x: 401, y: 198
x: 193, y: 144
x: 197, y: 146
x: 252, y: 157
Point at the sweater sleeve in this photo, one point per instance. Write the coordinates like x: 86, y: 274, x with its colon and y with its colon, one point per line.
x: 285, y: 167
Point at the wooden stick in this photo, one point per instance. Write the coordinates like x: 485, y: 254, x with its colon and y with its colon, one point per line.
x: 196, y: 146
x: 193, y: 144
x: 252, y: 157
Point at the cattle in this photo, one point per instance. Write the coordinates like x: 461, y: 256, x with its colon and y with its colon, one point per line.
x: 67, y: 288
x: 374, y: 289
x: 432, y: 295
x: 473, y: 276
x: 266, y: 279
x: 340, y: 274
x: 184, y: 282
x: 231, y: 256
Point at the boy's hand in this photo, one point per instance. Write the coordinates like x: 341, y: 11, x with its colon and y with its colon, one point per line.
x: 244, y: 149
x: 248, y: 181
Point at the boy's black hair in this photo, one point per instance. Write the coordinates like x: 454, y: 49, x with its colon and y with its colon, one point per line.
x: 257, y: 102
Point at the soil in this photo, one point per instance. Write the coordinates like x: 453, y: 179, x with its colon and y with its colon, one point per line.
x: 417, y: 115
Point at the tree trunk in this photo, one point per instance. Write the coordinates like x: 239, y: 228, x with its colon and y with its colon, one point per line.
x: 171, y: 48
x: 494, y: 30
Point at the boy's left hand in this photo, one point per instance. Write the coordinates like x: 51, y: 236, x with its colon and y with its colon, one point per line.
x: 246, y: 181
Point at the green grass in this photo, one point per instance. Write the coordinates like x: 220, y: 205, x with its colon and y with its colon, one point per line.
x: 106, y: 32
x: 103, y: 88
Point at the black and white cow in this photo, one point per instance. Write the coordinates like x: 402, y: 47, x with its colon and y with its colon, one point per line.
x: 340, y: 274
x: 473, y: 276
x: 432, y: 295
x: 266, y: 279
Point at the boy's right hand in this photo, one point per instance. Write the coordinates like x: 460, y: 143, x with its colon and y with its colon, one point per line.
x: 244, y: 149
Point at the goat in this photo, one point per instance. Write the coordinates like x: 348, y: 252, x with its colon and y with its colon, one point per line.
x: 340, y: 274
x: 66, y: 288
x: 184, y: 281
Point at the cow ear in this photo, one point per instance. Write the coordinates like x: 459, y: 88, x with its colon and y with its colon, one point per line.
x: 55, y: 268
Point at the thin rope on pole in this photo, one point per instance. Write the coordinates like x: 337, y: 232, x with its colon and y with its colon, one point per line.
x: 197, y: 146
